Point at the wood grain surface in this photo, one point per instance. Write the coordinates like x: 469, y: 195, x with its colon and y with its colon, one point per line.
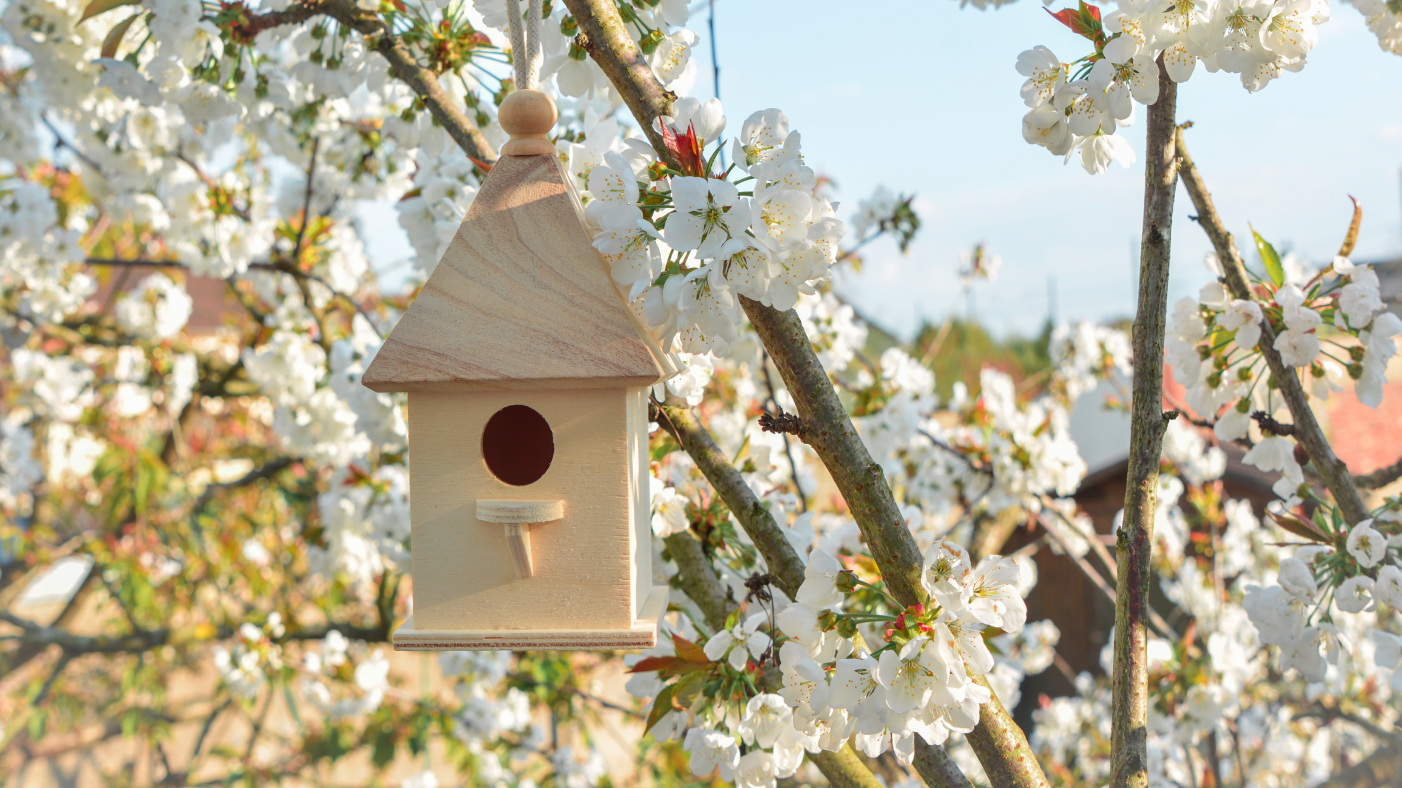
x: 520, y: 300
x: 583, y: 564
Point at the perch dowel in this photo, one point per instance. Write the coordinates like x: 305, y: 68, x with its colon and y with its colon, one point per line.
x: 517, y: 517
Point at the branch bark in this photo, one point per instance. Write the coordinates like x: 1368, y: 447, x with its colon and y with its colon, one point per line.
x: 1129, y: 757
x: 860, y: 480
x: 932, y: 762
x: 783, y: 561
x: 1382, y: 768
x: 699, y: 579
x: 1332, y: 470
x: 1382, y: 477
x: 832, y: 435
x: 402, y: 63
x: 604, y: 35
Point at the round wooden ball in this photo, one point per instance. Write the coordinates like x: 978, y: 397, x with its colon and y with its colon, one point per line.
x: 528, y: 116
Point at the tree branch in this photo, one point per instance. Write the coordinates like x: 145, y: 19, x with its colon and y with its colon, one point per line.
x: 605, y: 37
x: 833, y: 436
x: 403, y: 65
x: 830, y: 432
x: 783, y: 561
x: 936, y: 768
x: 1382, y: 768
x: 1129, y: 756
x: 699, y: 579
x: 1331, y: 469
x: 1382, y: 477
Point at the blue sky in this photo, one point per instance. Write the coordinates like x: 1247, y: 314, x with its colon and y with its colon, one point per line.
x: 923, y: 98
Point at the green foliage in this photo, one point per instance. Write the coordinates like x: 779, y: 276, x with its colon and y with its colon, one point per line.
x: 968, y: 347
x: 1269, y: 258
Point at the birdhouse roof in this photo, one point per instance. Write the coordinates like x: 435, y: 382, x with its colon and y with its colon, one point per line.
x: 520, y: 300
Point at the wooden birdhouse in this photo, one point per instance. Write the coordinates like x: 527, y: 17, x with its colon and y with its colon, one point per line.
x: 528, y: 379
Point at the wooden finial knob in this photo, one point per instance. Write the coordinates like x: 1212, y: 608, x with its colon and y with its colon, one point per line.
x: 528, y: 116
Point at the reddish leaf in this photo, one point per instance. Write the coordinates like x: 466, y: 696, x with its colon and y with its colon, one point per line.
x: 681, y: 666
x: 1083, y: 21
x: 689, y: 651
x: 652, y: 663
x: 686, y: 148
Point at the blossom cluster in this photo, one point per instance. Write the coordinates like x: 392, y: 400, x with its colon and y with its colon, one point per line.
x: 1076, y: 107
x: 922, y: 680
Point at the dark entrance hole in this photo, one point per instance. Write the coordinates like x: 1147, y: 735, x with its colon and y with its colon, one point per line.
x: 518, y: 445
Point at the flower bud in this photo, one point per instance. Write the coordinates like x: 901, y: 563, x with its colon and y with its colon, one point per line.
x: 657, y: 171
x: 827, y: 620
x: 846, y: 582
x: 847, y: 628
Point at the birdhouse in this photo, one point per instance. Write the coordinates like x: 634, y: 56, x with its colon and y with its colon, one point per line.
x: 528, y: 379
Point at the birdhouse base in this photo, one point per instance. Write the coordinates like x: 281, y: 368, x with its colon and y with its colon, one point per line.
x: 643, y: 634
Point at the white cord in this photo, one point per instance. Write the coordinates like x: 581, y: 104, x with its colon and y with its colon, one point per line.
x: 525, y: 50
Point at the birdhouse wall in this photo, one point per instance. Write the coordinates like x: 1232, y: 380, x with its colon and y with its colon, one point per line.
x: 586, y: 574
x: 640, y: 480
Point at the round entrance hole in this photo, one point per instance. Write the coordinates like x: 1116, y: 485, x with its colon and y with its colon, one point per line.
x: 518, y: 445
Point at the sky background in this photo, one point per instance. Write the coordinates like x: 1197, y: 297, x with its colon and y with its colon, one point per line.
x: 922, y: 97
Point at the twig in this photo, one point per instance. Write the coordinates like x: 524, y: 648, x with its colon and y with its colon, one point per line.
x: 1332, y: 471
x: 306, y: 203
x: 1379, y: 478
x: 779, y: 555
x: 62, y: 142
x: 1129, y: 755
x: 265, y: 471
x: 63, y: 660
x: 702, y: 585
x: 793, y: 426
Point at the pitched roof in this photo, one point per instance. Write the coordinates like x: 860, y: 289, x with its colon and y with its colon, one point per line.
x: 520, y: 300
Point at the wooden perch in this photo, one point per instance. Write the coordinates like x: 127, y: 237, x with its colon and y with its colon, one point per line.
x: 518, y: 516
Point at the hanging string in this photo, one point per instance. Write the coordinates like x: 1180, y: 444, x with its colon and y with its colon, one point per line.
x: 525, y: 49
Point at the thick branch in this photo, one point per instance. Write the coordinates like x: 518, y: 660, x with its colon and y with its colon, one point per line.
x: 844, y: 769
x: 1382, y: 477
x: 779, y: 555
x: 936, y: 768
x: 999, y: 743
x: 699, y: 580
x: 1308, y: 433
x: 860, y: 480
x: 1129, y: 757
x: 421, y: 80
x: 1382, y: 768
x: 830, y: 432
x: 40, y: 637
x: 604, y: 35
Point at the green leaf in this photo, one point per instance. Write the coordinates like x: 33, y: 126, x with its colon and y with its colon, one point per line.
x: 660, y: 706
x: 102, y: 6
x: 113, y: 41
x: 688, y: 689
x: 1270, y: 258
